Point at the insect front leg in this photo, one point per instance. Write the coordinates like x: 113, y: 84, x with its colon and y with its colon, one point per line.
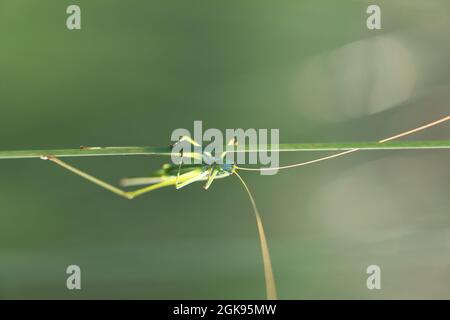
x: 213, y: 171
x: 233, y: 142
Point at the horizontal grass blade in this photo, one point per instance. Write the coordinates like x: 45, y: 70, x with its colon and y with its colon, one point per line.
x: 166, y: 151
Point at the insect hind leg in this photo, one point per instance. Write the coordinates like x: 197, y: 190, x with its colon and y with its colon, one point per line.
x: 88, y: 177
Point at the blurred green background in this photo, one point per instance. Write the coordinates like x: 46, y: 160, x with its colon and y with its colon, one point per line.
x: 139, y: 69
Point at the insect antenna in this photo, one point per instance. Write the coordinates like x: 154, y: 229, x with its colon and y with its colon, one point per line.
x: 271, y: 291
x: 423, y: 127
